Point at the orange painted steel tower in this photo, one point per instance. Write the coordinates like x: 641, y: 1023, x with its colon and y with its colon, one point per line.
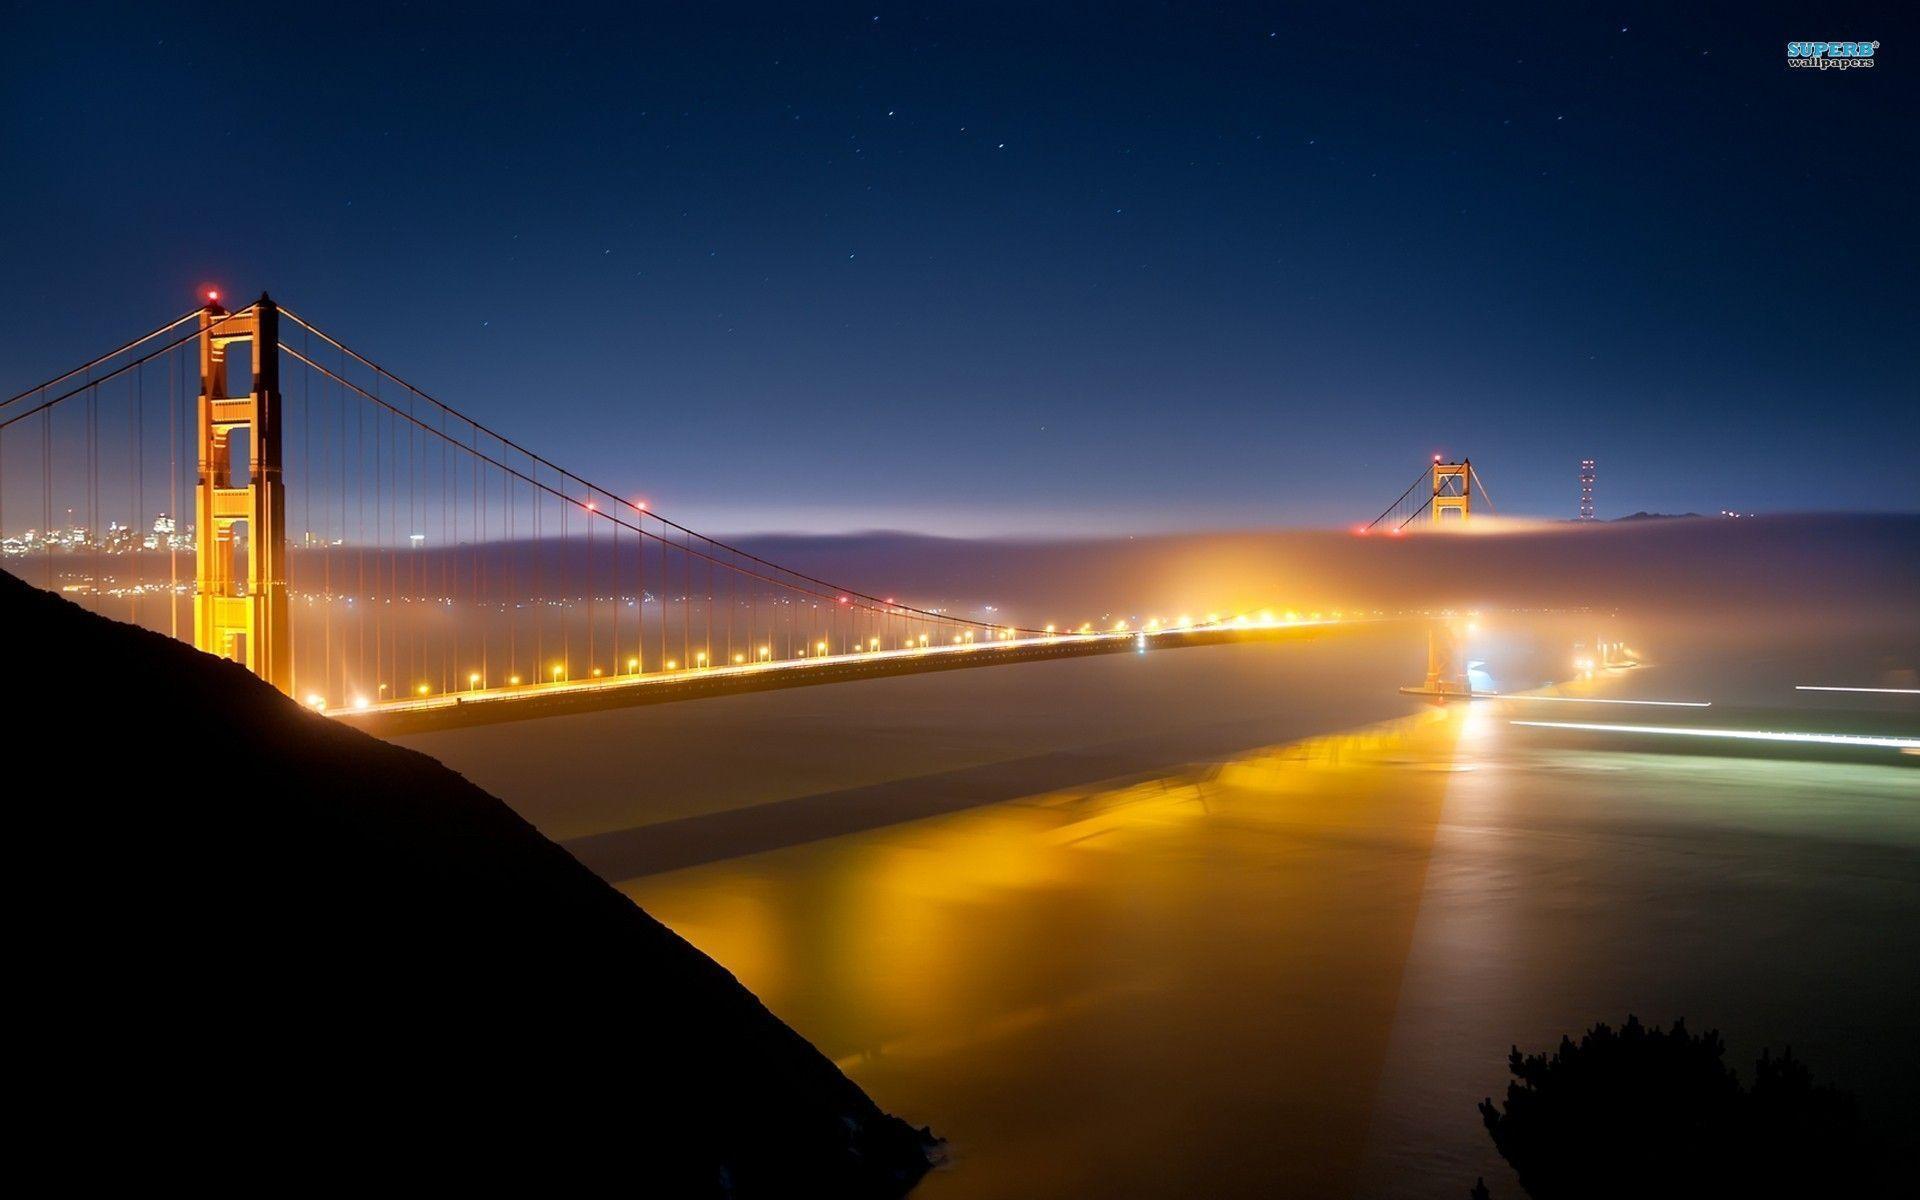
x: 242, y: 619
x: 1452, y: 489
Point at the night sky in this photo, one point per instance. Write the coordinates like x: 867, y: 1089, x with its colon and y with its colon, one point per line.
x: 1022, y: 268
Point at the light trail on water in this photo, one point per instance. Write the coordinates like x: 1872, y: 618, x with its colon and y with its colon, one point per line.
x: 1751, y: 735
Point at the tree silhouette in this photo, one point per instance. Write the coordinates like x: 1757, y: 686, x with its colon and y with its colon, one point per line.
x: 1653, y: 1112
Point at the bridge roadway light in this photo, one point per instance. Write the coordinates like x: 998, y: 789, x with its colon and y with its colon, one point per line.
x: 422, y: 689
x: 633, y: 664
x: 473, y: 680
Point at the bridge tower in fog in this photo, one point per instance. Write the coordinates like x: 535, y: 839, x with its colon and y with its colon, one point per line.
x: 1452, y: 490
x: 1443, y: 491
x: 244, y: 619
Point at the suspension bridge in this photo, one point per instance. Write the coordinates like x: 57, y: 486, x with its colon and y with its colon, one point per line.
x: 380, y: 557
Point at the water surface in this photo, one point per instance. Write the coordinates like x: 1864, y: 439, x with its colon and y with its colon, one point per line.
x: 1242, y: 920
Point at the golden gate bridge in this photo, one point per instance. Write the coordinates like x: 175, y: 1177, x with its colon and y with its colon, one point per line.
x: 377, y: 555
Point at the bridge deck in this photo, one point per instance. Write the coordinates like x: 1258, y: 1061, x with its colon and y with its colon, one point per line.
x: 557, y: 699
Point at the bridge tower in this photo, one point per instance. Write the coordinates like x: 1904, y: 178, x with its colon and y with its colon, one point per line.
x: 240, y: 484
x: 1452, y: 489
x: 1446, y: 675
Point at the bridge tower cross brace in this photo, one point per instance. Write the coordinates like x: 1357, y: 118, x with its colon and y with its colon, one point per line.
x: 1452, y: 490
x: 242, y: 619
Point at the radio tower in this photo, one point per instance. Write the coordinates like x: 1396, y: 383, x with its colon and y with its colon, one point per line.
x: 1586, y: 489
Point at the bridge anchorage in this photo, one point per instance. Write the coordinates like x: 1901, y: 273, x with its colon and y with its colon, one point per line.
x: 1447, y: 677
x: 373, y: 552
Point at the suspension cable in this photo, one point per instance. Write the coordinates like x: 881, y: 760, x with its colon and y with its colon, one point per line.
x: 881, y: 603
x: 834, y: 594
x: 1390, y: 509
x: 1483, y: 485
x: 142, y: 340
x: 122, y: 369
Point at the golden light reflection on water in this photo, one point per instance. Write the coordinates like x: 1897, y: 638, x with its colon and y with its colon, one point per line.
x: 1140, y: 987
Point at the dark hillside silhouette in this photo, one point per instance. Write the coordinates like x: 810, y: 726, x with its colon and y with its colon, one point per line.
x: 1657, y: 1113
x: 253, y: 945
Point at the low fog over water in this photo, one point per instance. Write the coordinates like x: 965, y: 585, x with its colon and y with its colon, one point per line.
x: 1786, y: 567
x: 1244, y: 920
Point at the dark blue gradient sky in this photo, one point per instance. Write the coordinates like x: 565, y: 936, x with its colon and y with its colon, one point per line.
x: 1024, y: 268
